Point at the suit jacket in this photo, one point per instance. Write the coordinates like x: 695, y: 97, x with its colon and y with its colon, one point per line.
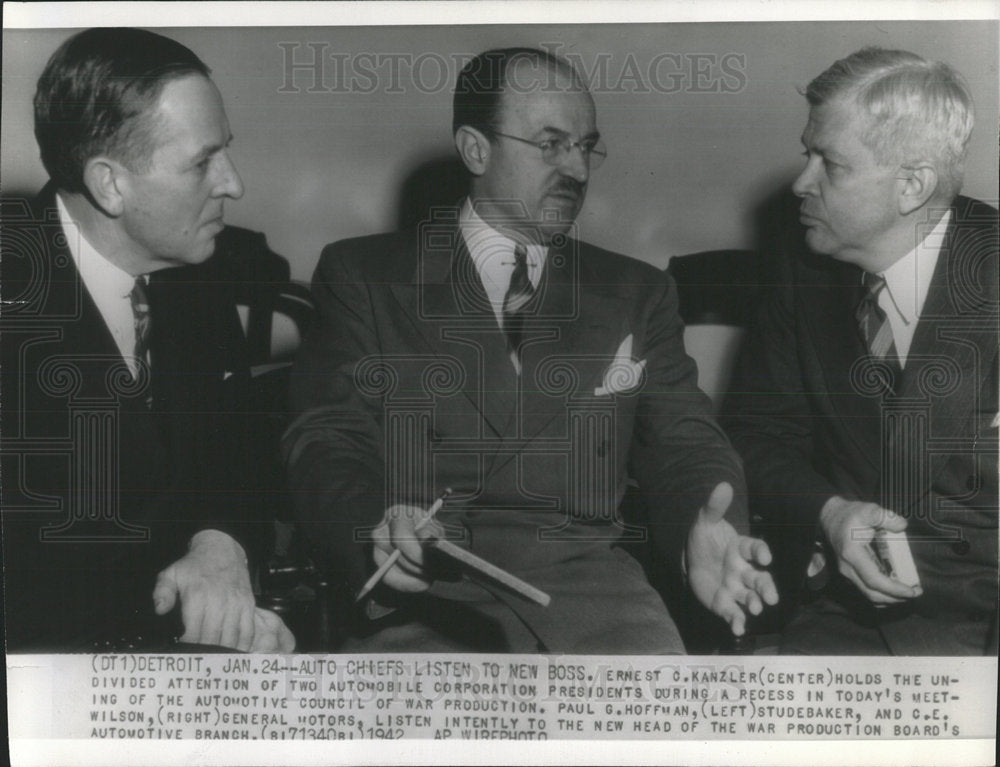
x: 100, y: 491
x: 405, y: 387
x: 810, y: 424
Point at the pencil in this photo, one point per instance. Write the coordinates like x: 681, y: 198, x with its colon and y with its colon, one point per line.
x: 385, y: 566
x: 491, y: 571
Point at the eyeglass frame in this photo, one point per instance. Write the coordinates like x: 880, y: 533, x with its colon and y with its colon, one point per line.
x: 567, y: 145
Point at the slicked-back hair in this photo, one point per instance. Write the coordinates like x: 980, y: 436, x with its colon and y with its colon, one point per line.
x: 914, y: 109
x: 96, y: 96
x: 481, y: 84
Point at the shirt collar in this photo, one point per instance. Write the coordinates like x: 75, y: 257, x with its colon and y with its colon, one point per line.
x: 909, y: 279
x: 489, y: 248
x: 99, y: 274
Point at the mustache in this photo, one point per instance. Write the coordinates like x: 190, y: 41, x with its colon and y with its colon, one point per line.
x: 571, y: 185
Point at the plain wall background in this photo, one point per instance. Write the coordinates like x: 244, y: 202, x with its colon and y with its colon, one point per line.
x: 687, y: 170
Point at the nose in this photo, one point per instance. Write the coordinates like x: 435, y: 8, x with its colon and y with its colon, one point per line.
x: 576, y: 163
x: 229, y: 183
x: 805, y: 183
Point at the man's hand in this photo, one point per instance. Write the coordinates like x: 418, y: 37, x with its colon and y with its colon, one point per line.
x: 723, y: 565
x: 270, y: 633
x: 213, y: 585
x: 849, y: 526
x: 398, y: 531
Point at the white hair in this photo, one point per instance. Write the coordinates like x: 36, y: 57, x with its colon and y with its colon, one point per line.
x: 916, y: 109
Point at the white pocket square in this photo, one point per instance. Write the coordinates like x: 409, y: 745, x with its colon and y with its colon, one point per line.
x: 227, y: 375
x: 623, y: 374
x: 996, y: 421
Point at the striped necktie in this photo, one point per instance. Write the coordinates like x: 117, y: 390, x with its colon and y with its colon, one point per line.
x: 139, y: 299
x: 515, y: 303
x: 875, y: 328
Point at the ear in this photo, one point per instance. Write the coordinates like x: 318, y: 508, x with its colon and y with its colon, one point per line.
x: 474, y: 149
x: 103, y: 178
x: 919, y: 183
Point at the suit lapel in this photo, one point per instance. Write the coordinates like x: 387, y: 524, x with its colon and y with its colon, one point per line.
x: 830, y: 305
x: 448, y: 308
x: 90, y: 332
x: 582, y: 326
x: 85, y: 335
x: 954, y: 345
x: 61, y: 293
x: 568, y: 345
x: 96, y: 407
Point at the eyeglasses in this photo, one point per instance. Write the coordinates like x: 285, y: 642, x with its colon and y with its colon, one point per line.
x: 555, y: 150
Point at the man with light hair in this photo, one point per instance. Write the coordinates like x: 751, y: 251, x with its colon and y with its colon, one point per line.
x: 865, y: 405
x: 910, y: 108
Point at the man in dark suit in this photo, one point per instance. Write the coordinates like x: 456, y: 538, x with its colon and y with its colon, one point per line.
x: 489, y: 352
x: 866, y: 400
x: 126, y: 448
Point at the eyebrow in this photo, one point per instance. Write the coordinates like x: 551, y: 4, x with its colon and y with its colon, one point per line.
x: 830, y: 154
x: 596, y: 134
x: 210, y: 149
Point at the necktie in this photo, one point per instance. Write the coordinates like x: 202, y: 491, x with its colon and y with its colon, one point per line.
x: 140, y: 314
x: 874, y: 326
x: 515, y: 303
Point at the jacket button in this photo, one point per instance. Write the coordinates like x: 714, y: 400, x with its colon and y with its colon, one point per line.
x: 961, y: 547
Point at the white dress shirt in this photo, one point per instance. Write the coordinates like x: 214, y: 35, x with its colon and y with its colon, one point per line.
x: 107, y: 285
x: 493, y: 255
x: 907, y: 282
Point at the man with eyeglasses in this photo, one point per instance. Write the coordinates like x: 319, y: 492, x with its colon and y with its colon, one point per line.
x: 491, y: 353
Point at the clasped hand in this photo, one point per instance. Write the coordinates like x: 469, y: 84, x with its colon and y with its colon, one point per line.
x: 724, y: 566
x: 217, y: 603
x: 849, y: 527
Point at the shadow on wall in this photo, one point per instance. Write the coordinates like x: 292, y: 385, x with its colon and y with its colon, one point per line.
x: 725, y: 286
x: 778, y: 229
x: 436, y: 183
x: 10, y: 195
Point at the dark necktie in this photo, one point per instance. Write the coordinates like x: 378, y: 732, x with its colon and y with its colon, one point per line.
x: 515, y: 302
x: 875, y: 328
x: 143, y: 322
